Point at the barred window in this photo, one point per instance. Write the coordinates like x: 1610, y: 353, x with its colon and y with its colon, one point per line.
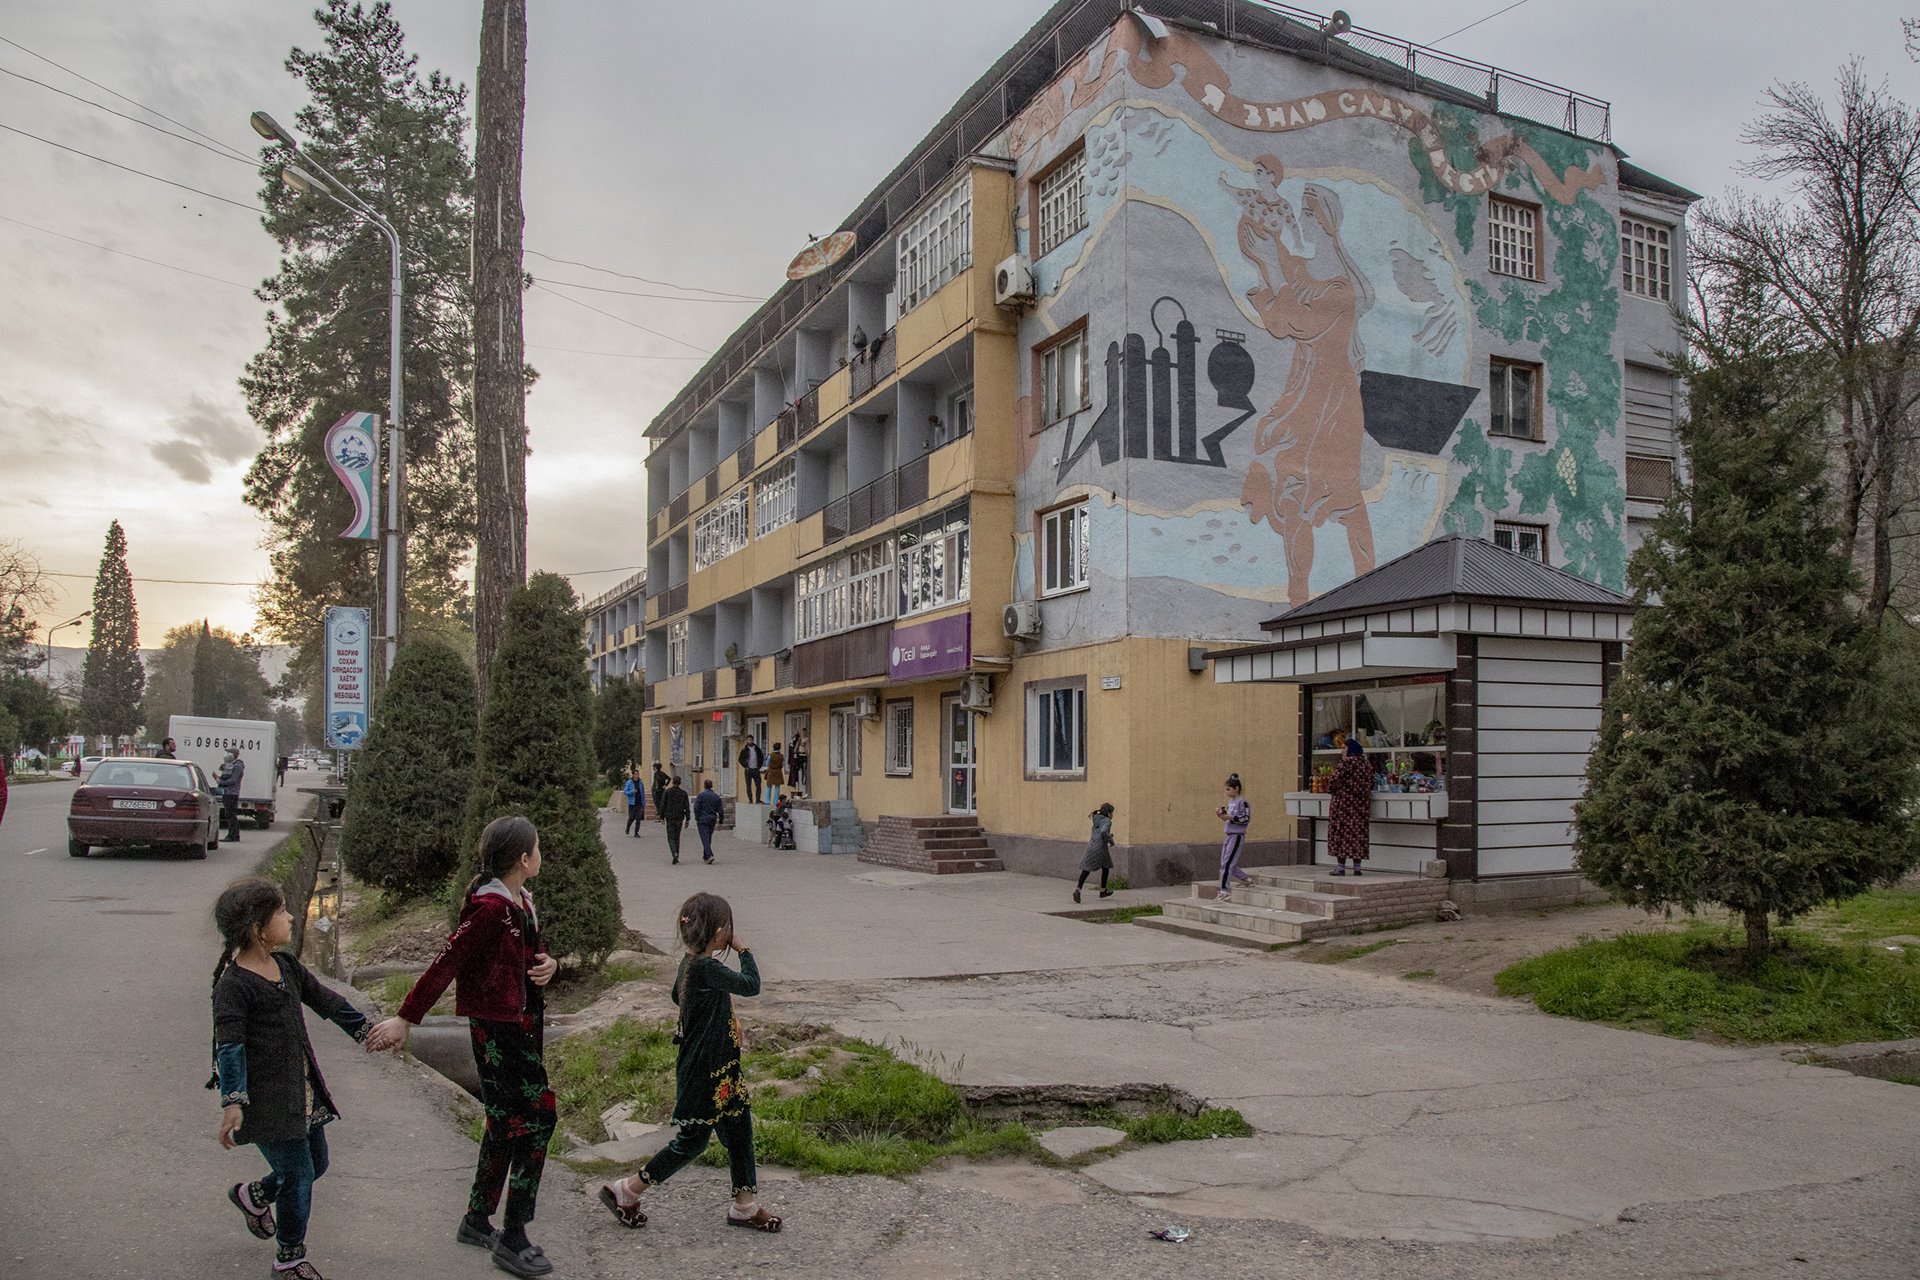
x: 935, y: 562
x: 1528, y: 540
x: 1513, y: 239
x: 850, y: 591
x: 1649, y: 479
x: 900, y: 738
x: 773, y: 498
x: 1063, y: 204
x: 677, y: 648
x: 1063, y: 550
x: 1646, y: 259
x: 721, y: 530
x: 936, y: 246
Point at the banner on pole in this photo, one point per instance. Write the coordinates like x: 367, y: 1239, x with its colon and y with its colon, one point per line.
x: 351, y: 453
x: 349, y: 640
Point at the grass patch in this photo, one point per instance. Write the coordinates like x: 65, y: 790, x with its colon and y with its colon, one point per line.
x: 1168, y: 1125
x: 1879, y: 913
x: 1415, y: 975
x: 574, y: 989
x: 1126, y: 915
x: 603, y: 796
x: 1689, y: 982
x: 1339, y: 955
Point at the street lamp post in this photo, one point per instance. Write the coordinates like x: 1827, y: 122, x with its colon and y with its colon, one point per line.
x: 47, y: 759
x: 267, y: 127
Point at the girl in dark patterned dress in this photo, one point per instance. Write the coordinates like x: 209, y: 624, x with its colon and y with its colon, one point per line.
x: 271, y: 1090
x: 708, y: 1096
x: 501, y: 965
x: 1350, y: 809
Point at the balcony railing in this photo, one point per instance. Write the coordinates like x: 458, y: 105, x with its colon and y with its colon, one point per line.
x: 742, y: 681
x: 874, y: 365
x: 713, y: 484
x: 743, y: 457
x: 808, y: 407
x: 709, y: 685
x: 676, y: 598
x: 786, y: 432
x: 783, y: 670
x: 677, y: 510
x: 870, y: 504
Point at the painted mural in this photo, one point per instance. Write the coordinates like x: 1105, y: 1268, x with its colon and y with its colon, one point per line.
x: 1292, y: 392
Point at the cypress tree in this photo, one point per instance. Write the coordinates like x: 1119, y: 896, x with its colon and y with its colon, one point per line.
x: 114, y: 678
x: 536, y: 758
x: 410, y: 786
x: 1749, y: 755
x: 206, y: 675
x: 617, y: 710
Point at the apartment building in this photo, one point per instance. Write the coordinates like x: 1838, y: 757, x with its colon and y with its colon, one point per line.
x: 615, y: 620
x: 1179, y: 318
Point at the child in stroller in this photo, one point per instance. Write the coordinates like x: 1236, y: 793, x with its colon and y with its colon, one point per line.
x: 780, y: 824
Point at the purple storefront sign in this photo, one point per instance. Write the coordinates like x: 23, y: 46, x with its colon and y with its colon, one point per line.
x: 931, y: 648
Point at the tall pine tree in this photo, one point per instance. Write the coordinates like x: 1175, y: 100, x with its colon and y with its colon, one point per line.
x: 399, y: 140
x: 1750, y: 754
x: 536, y: 759
x: 114, y: 678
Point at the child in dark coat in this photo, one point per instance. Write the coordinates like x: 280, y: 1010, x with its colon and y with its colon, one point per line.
x: 1099, y: 855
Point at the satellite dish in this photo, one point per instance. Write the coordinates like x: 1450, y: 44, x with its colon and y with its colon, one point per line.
x: 820, y: 255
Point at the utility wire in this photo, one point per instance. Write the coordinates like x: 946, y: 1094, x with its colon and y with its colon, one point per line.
x: 634, y: 293
x: 253, y: 208
x: 123, y: 253
x: 173, y: 582
x: 663, y: 284
x: 145, y: 124
x: 622, y: 355
x: 1434, y: 44
x: 623, y: 320
x: 124, y: 98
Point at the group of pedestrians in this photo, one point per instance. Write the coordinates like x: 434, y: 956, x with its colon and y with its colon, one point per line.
x: 273, y: 1096
x: 765, y: 773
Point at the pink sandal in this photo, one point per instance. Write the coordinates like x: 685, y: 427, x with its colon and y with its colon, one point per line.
x: 759, y: 1219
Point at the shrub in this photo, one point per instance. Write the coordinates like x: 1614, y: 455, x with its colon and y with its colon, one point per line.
x: 410, y: 789
x: 536, y: 759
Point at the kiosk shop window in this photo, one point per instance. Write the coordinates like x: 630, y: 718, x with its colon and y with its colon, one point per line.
x: 1400, y: 725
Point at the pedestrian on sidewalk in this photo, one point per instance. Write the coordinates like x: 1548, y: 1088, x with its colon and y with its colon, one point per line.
x: 232, y: 770
x: 271, y: 1091
x: 707, y: 811
x: 1099, y: 856
x: 674, y: 811
x: 501, y: 966
x: 708, y: 1097
x: 776, y: 774
x: 660, y: 784
x: 1237, y: 813
x: 636, y: 793
x: 752, y: 760
x: 797, y: 761
x: 166, y: 750
x: 3, y: 786
x: 1351, y: 809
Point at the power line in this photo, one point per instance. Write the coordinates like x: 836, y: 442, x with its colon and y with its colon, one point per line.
x: 588, y: 573
x: 123, y: 253
x: 171, y: 582
x: 634, y: 293
x: 1434, y: 44
x: 124, y: 98
x: 622, y: 355
x: 254, y: 208
x: 145, y: 124
x: 663, y: 284
x: 623, y: 320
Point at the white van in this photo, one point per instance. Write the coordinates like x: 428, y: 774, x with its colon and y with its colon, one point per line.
x: 205, y: 740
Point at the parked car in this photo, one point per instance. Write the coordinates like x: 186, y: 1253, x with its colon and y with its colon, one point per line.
x: 135, y: 801
x: 88, y: 763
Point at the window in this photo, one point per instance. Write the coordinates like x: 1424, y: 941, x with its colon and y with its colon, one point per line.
x: 1057, y: 728
x: 721, y: 530
x: 1063, y: 550
x: 850, y: 731
x: 935, y: 562
x: 699, y: 746
x: 1649, y: 479
x: 1646, y: 259
x: 677, y: 648
x: 957, y: 421
x: 1528, y: 540
x: 1062, y: 207
x: 851, y: 591
x: 1063, y: 378
x: 1513, y: 239
x: 677, y: 746
x: 773, y: 498
x: 900, y: 738
x: 1513, y: 388
x: 936, y: 246
x: 1400, y: 728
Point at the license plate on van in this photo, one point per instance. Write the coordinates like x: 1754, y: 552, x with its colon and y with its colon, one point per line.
x: 136, y: 804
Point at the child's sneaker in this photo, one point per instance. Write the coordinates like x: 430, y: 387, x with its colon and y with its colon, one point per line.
x: 1106, y: 893
x: 1225, y: 895
x: 301, y: 1270
x: 259, y: 1217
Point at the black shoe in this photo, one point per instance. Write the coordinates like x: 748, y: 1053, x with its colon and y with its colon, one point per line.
x: 527, y: 1262
x: 1356, y: 870
x: 676, y: 859
x: 470, y: 1233
x: 1106, y: 893
x: 708, y: 861
x: 1076, y: 895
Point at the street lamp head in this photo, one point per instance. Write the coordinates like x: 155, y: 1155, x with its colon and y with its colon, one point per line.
x: 299, y: 179
x: 269, y: 128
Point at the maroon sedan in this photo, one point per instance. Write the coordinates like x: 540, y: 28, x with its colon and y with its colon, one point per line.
x: 136, y: 801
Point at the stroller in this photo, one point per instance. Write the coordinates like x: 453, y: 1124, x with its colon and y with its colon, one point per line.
x: 780, y: 824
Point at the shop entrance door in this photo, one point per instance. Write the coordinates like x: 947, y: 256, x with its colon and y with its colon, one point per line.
x: 962, y: 755
x: 841, y: 731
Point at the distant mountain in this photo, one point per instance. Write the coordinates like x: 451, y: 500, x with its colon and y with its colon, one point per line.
x: 70, y: 661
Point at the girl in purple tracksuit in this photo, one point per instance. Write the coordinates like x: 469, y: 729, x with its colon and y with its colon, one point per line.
x: 1237, y: 814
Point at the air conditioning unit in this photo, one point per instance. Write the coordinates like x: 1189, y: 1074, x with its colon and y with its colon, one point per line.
x: 1013, y: 282
x: 730, y: 724
x: 976, y: 692
x: 866, y: 707
x: 1021, y: 620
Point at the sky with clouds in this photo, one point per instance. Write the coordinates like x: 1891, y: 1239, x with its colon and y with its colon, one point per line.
x: 693, y: 144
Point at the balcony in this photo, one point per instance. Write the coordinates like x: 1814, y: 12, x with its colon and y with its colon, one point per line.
x: 743, y: 457
x: 874, y: 365
x: 709, y: 685
x: 898, y: 490
x: 676, y: 599
x: 677, y: 510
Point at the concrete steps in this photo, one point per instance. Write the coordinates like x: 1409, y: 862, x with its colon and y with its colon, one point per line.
x: 1296, y: 904
x: 944, y: 845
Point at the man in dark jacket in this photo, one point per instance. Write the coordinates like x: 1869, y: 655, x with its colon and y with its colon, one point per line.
x: 232, y: 770
x: 707, y: 808
x: 673, y: 812
x: 660, y: 784
x: 752, y: 761
x: 166, y: 750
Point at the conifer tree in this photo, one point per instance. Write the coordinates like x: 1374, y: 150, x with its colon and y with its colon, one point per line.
x: 536, y: 759
x: 1749, y: 755
x: 114, y: 678
x: 617, y: 709
x: 411, y: 784
x: 206, y: 680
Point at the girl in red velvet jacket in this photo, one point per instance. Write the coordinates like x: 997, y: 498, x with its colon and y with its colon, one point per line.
x: 496, y: 955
